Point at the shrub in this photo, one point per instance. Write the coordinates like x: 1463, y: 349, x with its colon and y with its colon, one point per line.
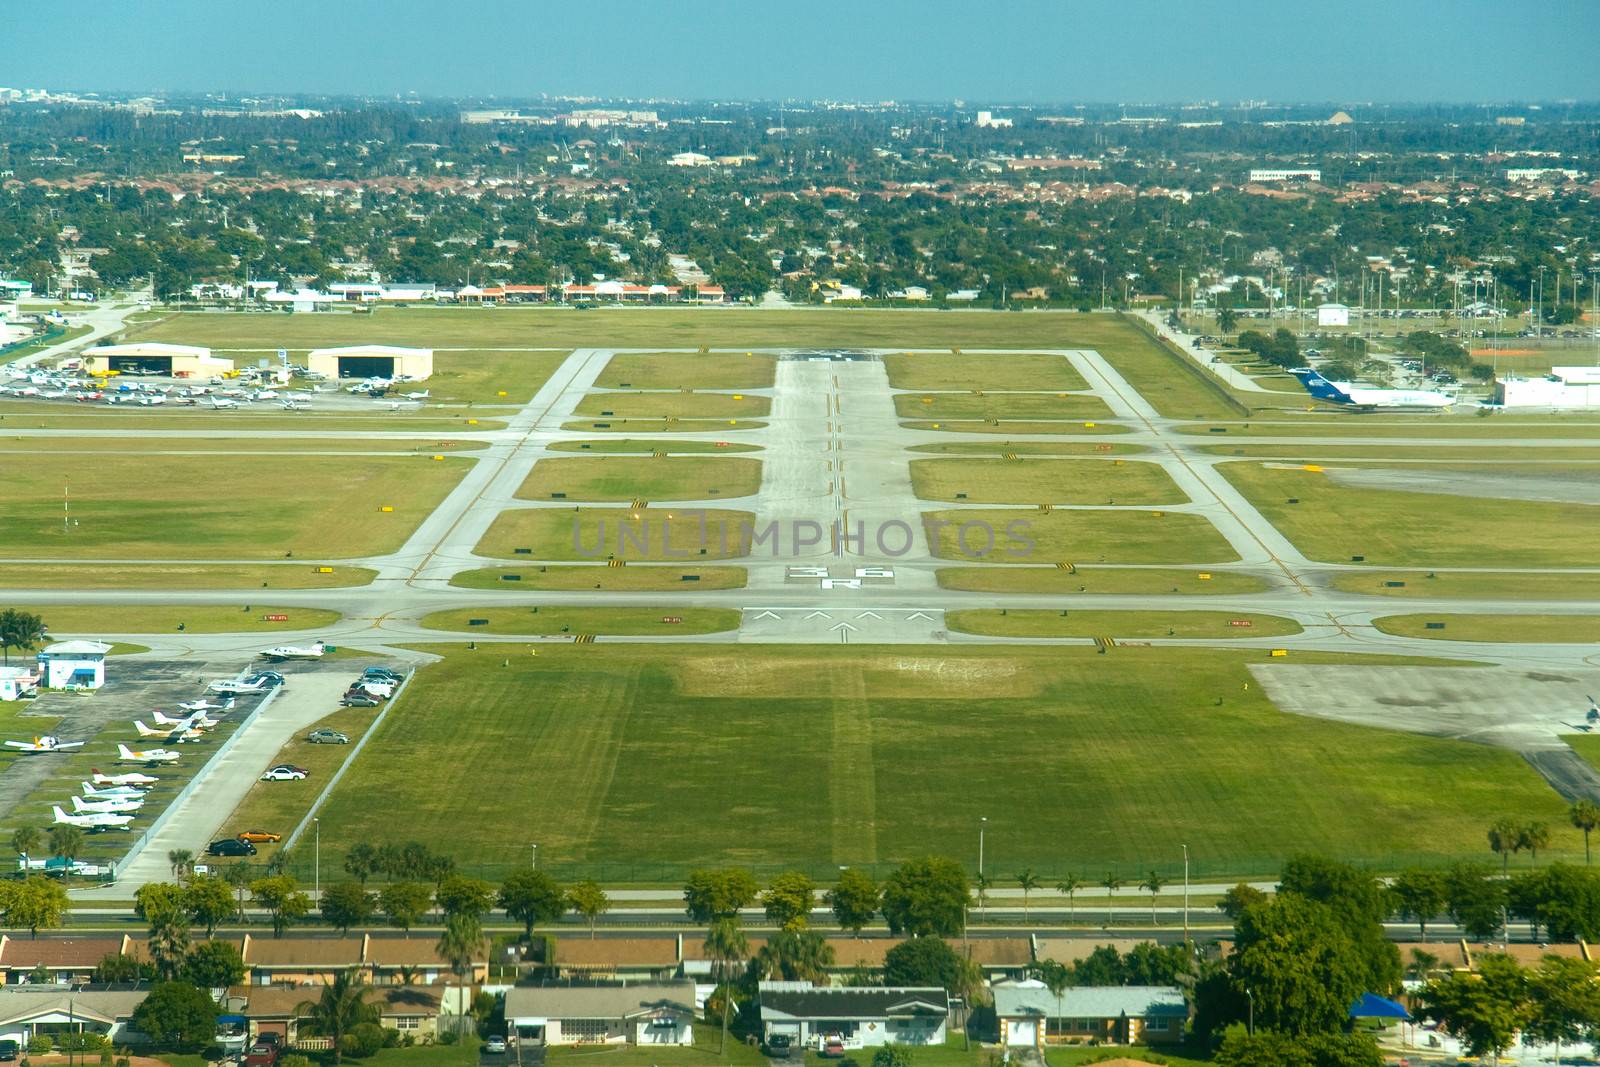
x: 363, y: 1040
x: 40, y: 1045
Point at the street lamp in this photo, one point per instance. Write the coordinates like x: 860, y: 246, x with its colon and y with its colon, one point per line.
x: 1186, y: 895
x: 316, y: 858
x: 536, y: 857
x: 983, y: 822
x: 1251, y: 1026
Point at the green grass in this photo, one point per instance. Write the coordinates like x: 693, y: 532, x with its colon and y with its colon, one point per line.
x: 701, y: 370
x: 461, y: 1055
x: 636, y: 763
x: 1078, y: 537
x: 54, y: 417
x: 602, y: 533
x: 702, y: 1053
x: 189, y: 576
x: 1011, y: 406
x: 1098, y: 580
x: 1585, y: 745
x: 1074, y: 428
x: 946, y: 370
x: 999, y: 622
x: 1026, y: 448
x: 1398, y: 529
x: 1525, y: 629
x: 675, y: 405
x: 223, y: 444
x: 663, y: 425
x: 1168, y: 380
x: 227, y: 507
x: 1044, y: 481
x: 480, y: 377
x: 631, y: 445
x: 629, y: 622
x: 164, y: 618
x: 1407, y: 450
x: 627, y: 478
x: 1477, y: 585
x: 1434, y: 428
x: 614, y: 579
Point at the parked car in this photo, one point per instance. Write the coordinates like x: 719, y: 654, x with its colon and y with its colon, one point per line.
x: 359, y: 698
x: 285, y: 773
x: 9, y: 1050
x: 833, y: 1049
x: 495, y: 1045
x: 261, y: 1055
x: 382, y: 690
x: 328, y: 737
x: 383, y: 674
x: 259, y: 836
x: 778, y: 1046
x: 230, y: 846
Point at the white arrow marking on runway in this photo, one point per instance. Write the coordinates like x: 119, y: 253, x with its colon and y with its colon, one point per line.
x: 819, y: 614
x: 919, y: 615
x: 842, y: 626
x: 869, y: 615
x: 769, y: 614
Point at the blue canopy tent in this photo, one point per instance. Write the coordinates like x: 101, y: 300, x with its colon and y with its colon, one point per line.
x: 1372, y: 1006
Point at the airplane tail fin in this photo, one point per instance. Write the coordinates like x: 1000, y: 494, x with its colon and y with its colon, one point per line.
x: 145, y: 731
x: 61, y: 816
x: 125, y: 752
x: 227, y: 705
x: 77, y: 804
x: 163, y: 720
x: 1320, y: 387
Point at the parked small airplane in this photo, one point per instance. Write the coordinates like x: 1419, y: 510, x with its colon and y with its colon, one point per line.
x: 1369, y: 399
x: 233, y: 687
x: 91, y: 793
x: 223, y: 404
x: 203, y: 705
x: 283, y: 652
x: 175, y: 734
x: 131, y: 778
x: 292, y: 404
x: 146, y: 756
x: 100, y: 820
x: 81, y: 806
x: 47, y: 743
x: 419, y: 396
x: 198, y: 721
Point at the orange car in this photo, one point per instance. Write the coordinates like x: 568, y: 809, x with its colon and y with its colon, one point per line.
x: 258, y: 837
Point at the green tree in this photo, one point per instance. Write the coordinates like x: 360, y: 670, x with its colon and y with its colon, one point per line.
x: 66, y: 842
x: 346, y: 904
x: 1535, y: 835
x: 1476, y: 901
x: 1419, y: 893
x: 929, y: 961
x: 1358, y: 900
x: 1486, y: 1010
x: 25, y: 840
x: 461, y: 942
x: 362, y: 861
x: 177, y: 1016
x: 21, y: 630
x: 1227, y: 319
x: 926, y: 897
x: 532, y: 897
x: 1269, y: 1048
x: 792, y: 955
x: 727, y: 948
x: 1153, y: 885
x: 169, y: 942
x: 181, y: 860
x: 35, y: 903
x: 155, y: 900
x: 1111, y: 883
x: 1564, y: 1002
x: 1584, y: 815
x: 1027, y: 881
x: 213, y: 965
x: 280, y: 894
x: 208, y: 900
x: 340, y: 1008
x: 405, y: 903
x: 1055, y: 976
x: 789, y: 899
x: 117, y: 968
x: 457, y: 895
x: 590, y: 901
x: 712, y: 894
x: 1506, y: 840
x: 1068, y: 887
x: 854, y: 899
x: 1296, y: 958
x: 892, y: 1056
x: 1240, y: 897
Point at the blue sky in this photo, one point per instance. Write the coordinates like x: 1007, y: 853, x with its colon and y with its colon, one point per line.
x: 1021, y: 50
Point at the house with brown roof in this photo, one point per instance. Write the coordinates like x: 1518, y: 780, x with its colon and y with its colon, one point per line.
x: 410, y: 1009
x: 634, y: 958
x: 302, y: 961
x: 66, y: 959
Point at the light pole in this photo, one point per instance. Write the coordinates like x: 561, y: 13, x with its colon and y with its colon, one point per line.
x: 1251, y: 1026
x: 316, y: 858
x: 536, y: 857
x: 1186, y: 895
x: 983, y: 822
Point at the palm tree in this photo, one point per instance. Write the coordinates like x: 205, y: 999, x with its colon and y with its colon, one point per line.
x: 169, y: 943
x: 1505, y: 839
x: 1585, y: 816
x: 1028, y: 881
x: 239, y: 875
x: 341, y: 1008
x: 19, y: 629
x: 1227, y: 318
x: 25, y: 839
x: 1423, y: 963
x: 981, y: 883
x: 1069, y: 887
x: 795, y: 956
x: 1153, y: 885
x: 726, y: 945
x: 66, y: 842
x: 461, y: 940
x: 1112, y: 884
x: 182, y: 862
x: 1535, y: 835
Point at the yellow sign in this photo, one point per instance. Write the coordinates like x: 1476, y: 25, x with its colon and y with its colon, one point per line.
x: 738, y: 396
x: 438, y: 457
x: 501, y: 393
x: 1088, y: 426
x: 1204, y: 577
x: 1312, y: 467
x: 324, y: 570
x: 387, y: 507
x: 472, y: 422
x: 1280, y: 652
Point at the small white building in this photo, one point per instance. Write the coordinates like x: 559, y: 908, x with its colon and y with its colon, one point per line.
x: 18, y: 683
x: 1564, y: 388
x: 372, y: 361
x: 1333, y: 315
x: 74, y: 665
x: 856, y: 1016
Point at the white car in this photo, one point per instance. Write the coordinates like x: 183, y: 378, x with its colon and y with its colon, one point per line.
x: 495, y: 1046
x: 284, y: 774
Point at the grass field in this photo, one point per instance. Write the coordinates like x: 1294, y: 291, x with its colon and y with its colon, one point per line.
x: 946, y: 370
x: 1077, y: 537
x: 1044, y: 481
x: 58, y: 417
x: 233, y: 507
x: 480, y: 377
x: 664, y: 425
x: 1399, y: 529
x: 1098, y: 580
x: 605, y: 533
x: 165, y: 618
x: 636, y: 763
x: 612, y: 579
x: 189, y: 576
x: 963, y: 426
x: 1523, y: 629
x: 645, y: 446
x: 675, y: 405
x: 700, y: 370
x: 1482, y: 585
x: 1411, y: 450
x: 1585, y: 745
x: 1010, y: 406
x: 1027, y: 448
x: 1168, y: 380
x: 628, y: 622
x: 998, y: 622
x: 221, y: 444
x: 1438, y: 429
x: 631, y: 478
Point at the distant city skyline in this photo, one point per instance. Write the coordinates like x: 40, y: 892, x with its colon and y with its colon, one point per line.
x: 1029, y: 51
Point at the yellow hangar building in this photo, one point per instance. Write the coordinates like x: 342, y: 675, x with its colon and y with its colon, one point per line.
x: 152, y: 357
x: 371, y: 361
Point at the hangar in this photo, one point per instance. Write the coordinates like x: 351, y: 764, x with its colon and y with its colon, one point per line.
x: 152, y: 357
x: 372, y: 361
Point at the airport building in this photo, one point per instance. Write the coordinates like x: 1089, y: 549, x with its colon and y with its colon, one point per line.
x: 74, y: 664
x: 17, y: 683
x: 1564, y: 388
x: 372, y: 361
x: 173, y: 361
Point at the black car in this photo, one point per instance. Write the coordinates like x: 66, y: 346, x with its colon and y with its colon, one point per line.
x: 778, y: 1046
x: 383, y: 674
x: 231, y: 846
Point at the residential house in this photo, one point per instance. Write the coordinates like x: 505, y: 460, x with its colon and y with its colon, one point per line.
x: 856, y: 1016
x: 30, y: 1011
x: 1029, y: 1015
x: 630, y: 958
x: 67, y: 960
x: 651, y: 1013
x: 300, y: 961
x: 410, y: 1009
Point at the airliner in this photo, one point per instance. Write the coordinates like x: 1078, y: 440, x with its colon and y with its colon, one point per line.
x: 1368, y: 399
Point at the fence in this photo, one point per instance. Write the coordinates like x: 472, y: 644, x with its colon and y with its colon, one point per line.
x: 40, y: 341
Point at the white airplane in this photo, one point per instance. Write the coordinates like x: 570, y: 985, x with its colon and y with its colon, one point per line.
x: 146, y: 756
x: 176, y: 734
x: 203, y: 705
x: 229, y: 686
x: 1369, y: 399
x: 47, y: 743
x: 100, y: 820
x: 131, y: 778
x: 283, y: 652
x: 418, y: 396
x: 80, y: 806
x: 292, y: 404
x: 198, y: 721
x: 221, y: 404
x: 128, y: 791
